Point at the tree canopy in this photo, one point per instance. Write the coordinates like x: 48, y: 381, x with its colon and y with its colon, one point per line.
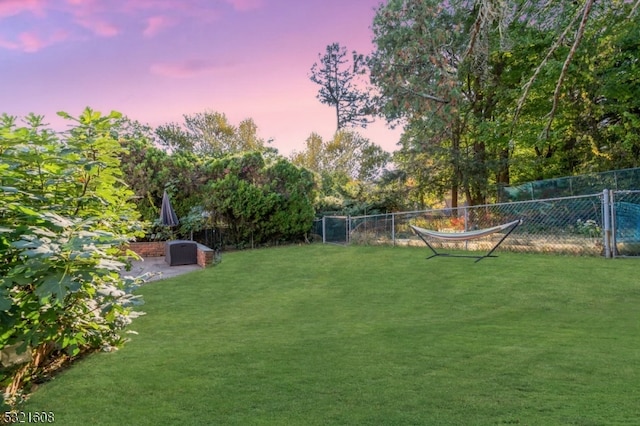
x: 210, y: 133
x: 491, y: 91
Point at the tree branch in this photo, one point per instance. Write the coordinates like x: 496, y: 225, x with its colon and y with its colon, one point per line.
x: 474, y: 34
x: 527, y: 86
x: 633, y: 10
x: 427, y: 96
x: 565, y: 66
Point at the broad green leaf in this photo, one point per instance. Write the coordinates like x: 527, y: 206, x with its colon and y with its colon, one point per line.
x: 109, y: 264
x: 5, y: 303
x: 43, y: 232
x: 24, y: 244
x: 56, y: 285
x: 58, y: 220
x: 43, y: 250
x: 26, y: 210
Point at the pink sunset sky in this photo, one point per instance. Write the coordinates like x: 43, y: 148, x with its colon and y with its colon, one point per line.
x: 156, y: 60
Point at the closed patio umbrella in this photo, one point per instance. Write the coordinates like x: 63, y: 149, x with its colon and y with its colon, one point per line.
x: 168, y: 217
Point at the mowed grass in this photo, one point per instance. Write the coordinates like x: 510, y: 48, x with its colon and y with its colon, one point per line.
x: 317, y: 334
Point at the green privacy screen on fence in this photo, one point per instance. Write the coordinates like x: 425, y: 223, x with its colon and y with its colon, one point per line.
x: 569, y: 186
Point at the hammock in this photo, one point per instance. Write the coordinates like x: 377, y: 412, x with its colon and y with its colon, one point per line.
x: 465, y: 236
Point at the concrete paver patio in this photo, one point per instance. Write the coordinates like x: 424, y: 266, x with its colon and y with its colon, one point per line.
x: 158, y: 269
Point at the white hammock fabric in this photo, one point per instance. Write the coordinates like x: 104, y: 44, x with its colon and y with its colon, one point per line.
x: 464, y: 236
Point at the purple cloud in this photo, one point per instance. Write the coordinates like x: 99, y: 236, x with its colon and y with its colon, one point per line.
x: 98, y: 26
x: 15, y: 7
x: 184, y: 69
x: 31, y: 41
x: 156, y: 24
x: 244, y: 5
x: 90, y: 15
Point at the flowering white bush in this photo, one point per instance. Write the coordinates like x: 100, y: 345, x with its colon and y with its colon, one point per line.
x: 588, y: 227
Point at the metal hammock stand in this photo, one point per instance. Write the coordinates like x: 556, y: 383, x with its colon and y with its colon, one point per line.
x: 466, y: 236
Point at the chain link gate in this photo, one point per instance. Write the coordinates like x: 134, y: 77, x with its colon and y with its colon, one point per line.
x: 624, y: 238
x: 335, y: 229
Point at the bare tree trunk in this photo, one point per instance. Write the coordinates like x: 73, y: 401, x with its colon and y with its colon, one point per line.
x: 454, y: 195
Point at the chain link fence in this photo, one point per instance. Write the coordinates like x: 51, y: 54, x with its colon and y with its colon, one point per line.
x: 570, y: 225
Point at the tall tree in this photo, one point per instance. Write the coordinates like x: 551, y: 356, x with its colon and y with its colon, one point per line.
x: 349, y: 165
x: 175, y: 138
x: 338, y: 79
x: 573, y: 101
x: 603, y: 94
x: 348, y: 154
x: 210, y: 133
x: 417, y: 65
x: 143, y: 165
x: 487, y: 85
x: 149, y: 170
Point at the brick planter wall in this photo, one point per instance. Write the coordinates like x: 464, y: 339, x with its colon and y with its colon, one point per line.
x: 205, y: 255
x: 148, y: 249
x: 156, y: 249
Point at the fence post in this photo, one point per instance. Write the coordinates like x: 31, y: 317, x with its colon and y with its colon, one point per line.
x: 393, y: 228
x: 348, y: 229
x: 324, y: 230
x: 466, y: 218
x: 613, y: 244
x: 606, y: 213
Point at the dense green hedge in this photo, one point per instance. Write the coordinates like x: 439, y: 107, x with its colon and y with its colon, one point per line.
x: 259, y: 200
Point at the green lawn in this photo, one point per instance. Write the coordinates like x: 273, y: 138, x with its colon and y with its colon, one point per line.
x: 371, y: 335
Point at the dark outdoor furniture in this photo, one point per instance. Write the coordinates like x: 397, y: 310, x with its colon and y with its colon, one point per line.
x: 181, y: 252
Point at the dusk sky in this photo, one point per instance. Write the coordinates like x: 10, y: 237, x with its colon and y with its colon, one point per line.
x: 155, y: 60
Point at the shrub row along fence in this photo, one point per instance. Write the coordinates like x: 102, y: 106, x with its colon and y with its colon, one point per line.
x: 606, y: 223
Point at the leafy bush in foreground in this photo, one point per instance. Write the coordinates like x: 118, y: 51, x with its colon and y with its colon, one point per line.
x: 64, y: 214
